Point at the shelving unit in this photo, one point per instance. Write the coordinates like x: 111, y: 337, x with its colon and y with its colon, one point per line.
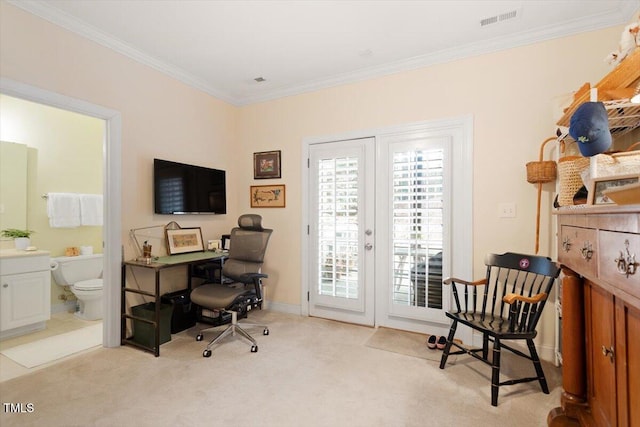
x: 614, y: 91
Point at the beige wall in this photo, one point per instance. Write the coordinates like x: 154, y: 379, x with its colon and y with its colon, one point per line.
x: 510, y: 94
x: 64, y: 155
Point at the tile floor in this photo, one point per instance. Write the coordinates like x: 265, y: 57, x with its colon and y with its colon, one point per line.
x: 58, y: 324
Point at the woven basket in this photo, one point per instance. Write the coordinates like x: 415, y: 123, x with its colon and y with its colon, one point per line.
x: 569, y: 169
x: 542, y: 170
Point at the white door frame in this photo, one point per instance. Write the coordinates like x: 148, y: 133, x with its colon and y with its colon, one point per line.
x: 112, y: 189
x: 461, y: 263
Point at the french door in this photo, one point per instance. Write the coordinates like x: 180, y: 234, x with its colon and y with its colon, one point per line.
x: 341, y: 230
x: 380, y: 226
x: 414, y: 199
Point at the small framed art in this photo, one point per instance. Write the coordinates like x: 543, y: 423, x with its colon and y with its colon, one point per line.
x: 266, y: 164
x: 184, y: 240
x: 603, y: 185
x: 267, y: 196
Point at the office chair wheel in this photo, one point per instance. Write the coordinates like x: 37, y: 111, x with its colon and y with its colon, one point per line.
x: 206, y: 353
x: 266, y: 331
x: 199, y: 337
x: 254, y: 349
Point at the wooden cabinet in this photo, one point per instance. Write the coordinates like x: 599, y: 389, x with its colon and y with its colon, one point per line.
x: 25, y: 292
x: 599, y: 249
x: 600, y: 322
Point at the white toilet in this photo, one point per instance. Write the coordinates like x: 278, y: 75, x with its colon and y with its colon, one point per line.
x: 83, y: 275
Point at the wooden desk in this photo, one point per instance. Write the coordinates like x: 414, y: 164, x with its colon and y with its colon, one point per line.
x: 157, y: 265
x: 599, y: 249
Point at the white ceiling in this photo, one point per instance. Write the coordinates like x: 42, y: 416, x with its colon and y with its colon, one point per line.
x: 297, y: 46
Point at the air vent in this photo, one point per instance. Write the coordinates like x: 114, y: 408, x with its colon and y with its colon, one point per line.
x: 260, y: 79
x: 499, y: 18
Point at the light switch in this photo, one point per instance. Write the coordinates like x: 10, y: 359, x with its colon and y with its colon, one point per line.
x: 507, y: 210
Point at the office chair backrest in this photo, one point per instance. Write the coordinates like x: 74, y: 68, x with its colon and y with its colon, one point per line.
x: 248, y: 246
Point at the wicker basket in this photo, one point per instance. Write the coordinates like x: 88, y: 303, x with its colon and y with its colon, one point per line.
x: 569, y: 170
x: 542, y: 170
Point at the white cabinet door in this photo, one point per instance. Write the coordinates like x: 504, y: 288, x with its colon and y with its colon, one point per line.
x: 24, y: 299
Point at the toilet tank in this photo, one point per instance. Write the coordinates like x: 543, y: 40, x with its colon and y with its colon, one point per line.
x: 68, y: 270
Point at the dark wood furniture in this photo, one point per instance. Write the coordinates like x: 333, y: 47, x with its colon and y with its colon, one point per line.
x: 599, y: 250
x: 505, y: 305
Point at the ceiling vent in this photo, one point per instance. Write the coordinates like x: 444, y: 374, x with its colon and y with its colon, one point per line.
x: 499, y: 18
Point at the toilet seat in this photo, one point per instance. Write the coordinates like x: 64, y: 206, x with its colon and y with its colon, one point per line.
x: 88, y: 285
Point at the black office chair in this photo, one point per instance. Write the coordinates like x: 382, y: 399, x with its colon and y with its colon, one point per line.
x: 505, y: 305
x: 246, y: 254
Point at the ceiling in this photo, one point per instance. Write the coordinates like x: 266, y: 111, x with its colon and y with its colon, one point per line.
x: 297, y: 46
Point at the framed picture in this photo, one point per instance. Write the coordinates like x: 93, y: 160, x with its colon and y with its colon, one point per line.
x: 266, y: 165
x: 267, y: 196
x: 184, y: 240
x: 599, y: 187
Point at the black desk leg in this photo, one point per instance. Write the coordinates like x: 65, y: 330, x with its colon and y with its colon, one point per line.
x: 157, y: 315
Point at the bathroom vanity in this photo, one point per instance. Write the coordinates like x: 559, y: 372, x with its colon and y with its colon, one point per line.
x: 25, y: 291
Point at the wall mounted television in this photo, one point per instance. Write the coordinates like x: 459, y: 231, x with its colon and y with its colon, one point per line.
x: 180, y: 188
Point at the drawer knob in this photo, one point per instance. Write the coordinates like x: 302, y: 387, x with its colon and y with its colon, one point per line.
x: 626, y: 262
x: 566, y: 244
x: 608, y: 352
x: 586, y: 251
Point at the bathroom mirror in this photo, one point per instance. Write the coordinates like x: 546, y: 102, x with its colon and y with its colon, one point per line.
x: 13, y: 185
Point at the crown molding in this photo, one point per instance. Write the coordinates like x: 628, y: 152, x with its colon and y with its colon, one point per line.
x: 49, y: 13
x: 45, y: 11
x: 620, y: 17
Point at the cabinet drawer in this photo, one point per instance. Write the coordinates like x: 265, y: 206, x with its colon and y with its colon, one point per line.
x: 618, y: 251
x: 578, y: 249
x: 24, y: 264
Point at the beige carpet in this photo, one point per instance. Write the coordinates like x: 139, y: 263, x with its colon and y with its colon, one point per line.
x: 408, y: 343
x: 307, y: 372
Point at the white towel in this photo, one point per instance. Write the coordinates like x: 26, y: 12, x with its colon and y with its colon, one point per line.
x: 63, y: 210
x: 91, y: 209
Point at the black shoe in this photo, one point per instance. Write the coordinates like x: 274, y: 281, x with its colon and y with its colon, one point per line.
x: 431, y: 342
x: 442, y: 342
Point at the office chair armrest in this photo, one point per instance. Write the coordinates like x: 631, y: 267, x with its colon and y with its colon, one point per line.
x: 248, y: 278
x: 511, y: 298
x: 450, y: 280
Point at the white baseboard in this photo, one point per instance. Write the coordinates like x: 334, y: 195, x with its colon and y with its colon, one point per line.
x: 282, y: 307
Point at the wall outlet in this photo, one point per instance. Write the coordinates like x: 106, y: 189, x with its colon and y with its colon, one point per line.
x: 507, y: 210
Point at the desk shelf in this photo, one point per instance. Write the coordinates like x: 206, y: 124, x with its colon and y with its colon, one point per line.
x: 190, y: 260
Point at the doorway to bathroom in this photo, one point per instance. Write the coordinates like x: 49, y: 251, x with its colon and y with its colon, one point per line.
x: 106, y: 165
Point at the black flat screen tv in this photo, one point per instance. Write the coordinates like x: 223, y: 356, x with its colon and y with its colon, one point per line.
x: 179, y: 188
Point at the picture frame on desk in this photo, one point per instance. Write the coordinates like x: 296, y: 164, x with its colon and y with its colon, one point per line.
x: 184, y: 240
x: 600, y: 186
